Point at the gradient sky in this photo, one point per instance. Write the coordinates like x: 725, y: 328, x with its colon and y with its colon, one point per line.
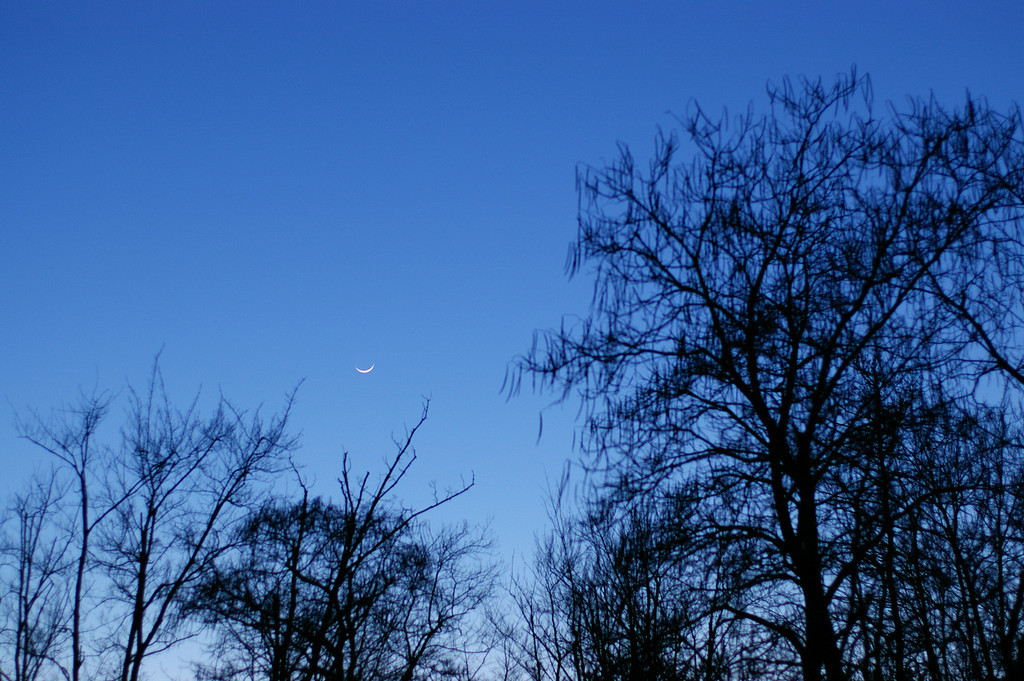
x: 281, y: 191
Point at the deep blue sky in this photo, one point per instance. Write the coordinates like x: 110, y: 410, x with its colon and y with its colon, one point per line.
x: 278, y: 191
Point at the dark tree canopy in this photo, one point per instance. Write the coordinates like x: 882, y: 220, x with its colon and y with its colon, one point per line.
x: 810, y: 326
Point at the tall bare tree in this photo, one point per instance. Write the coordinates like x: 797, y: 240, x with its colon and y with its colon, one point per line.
x: 149, y: 516
x: 34, y: 606
x: 185, y: 480
x: 744, y: 302
x: 72, y: 441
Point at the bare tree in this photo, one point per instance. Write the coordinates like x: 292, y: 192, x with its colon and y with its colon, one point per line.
x: 185, y: 480
x: 149, y: 517
x: 35, y: 607
x: 356, y: 589
x: 743, y: 303
x: 72, y: 443
x: 615, y: 593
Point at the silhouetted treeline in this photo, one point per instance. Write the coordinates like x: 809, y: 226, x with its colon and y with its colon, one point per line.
x: 802, y: 379
x: 122, y: 552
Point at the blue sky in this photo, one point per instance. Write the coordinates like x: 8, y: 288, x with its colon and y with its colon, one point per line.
x: 273, y: 192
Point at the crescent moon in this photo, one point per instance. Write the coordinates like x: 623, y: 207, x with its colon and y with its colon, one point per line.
x: 365, y: 371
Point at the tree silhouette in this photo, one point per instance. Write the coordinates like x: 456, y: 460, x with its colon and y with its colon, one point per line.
x: 789, y: 324
x: 614, y: 595
x: 34, y: 609
x: 143, y: 520
x: 128, y: 550
x: 361, y: 589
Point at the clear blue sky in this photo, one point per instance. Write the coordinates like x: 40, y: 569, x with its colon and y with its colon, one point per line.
x: 283, y: 191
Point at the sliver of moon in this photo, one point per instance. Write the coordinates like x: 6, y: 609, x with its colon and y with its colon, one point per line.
x: 365, y: 371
